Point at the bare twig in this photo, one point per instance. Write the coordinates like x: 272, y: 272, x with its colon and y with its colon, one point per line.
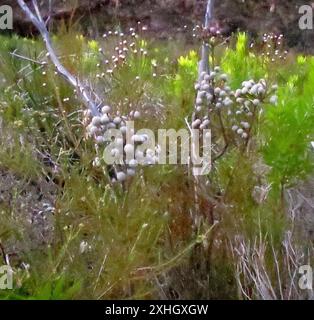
x: 40, y: 24
x: 204, y: 63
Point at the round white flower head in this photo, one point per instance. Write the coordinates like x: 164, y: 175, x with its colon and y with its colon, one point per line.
x: 96, y: 121
x: 196, y: 123
x: 240, y: 131
x: 130, y: 172
x: 136, y: 115
x: 104, y: 119
x: 121, y: 176
x: 133, y: 163
x: 129, y: 149
x: 105, y: 109
x: 117, y: 120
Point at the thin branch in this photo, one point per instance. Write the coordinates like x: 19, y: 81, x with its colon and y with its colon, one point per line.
x: 39, y: 23
x: 204, y: 63
x: 25, y: 58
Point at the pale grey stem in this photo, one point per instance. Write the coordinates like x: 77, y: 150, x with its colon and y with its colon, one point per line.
x: 39, y: 23
x: 204, y: 63
x: 209, y: 13
x: 203, y: 66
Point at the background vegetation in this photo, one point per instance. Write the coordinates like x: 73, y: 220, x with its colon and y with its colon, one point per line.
x: 69, y: 233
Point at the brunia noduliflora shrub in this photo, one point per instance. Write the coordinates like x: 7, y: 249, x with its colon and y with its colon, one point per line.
x: 99, y: 118
x: 231, y: 114
x: 230, y: 110
x: 241, y: 106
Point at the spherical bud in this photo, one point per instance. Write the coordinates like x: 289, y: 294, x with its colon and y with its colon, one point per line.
x: 105, y: 109
x: 261, y: 90
x: 100, y: 140
x: 205, y: 87
x: 245, y: 90
x: 104, y: 119
x: 119, y: 142
x: 130, y: 172
x: 207, y: 77
x: 129, y: 149
x: 212, y: 75
x: 222, y: 93
x: 117, y: 120
x: 137, y: 115
x: 203, y: 74
x: 121, y: 176
x: 228, y: 102
x: 96, y: 121
x: 238, y: 93
x: 123, y: 129
x: 133, y: 163
x: 197, y: 86
x: 137, y: 138
x: 227, y: 89
x: 92, y: 130
x: 201, y: 94
x: 256, y: 102
x: 240, y: 131
x: 245, y: 125
x: 218, y: 105
x: 217, y: 69
x: 196, y: 123
x: 206, y: 123
x: 224, y: 77
x: 217, y: 91
x: 253, y: 90
x: 244, y: 135
x: 234, y: 128
x: 209, y: 97
x: 199, y: 101
x: 111, y: 125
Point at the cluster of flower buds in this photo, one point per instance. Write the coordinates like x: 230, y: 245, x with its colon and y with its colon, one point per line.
x: 211, y: 35
x: 212, y: 91
x: 215, y: 95
x: 272, y: 47
x: 125, y: 44
x: 126, y: 148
